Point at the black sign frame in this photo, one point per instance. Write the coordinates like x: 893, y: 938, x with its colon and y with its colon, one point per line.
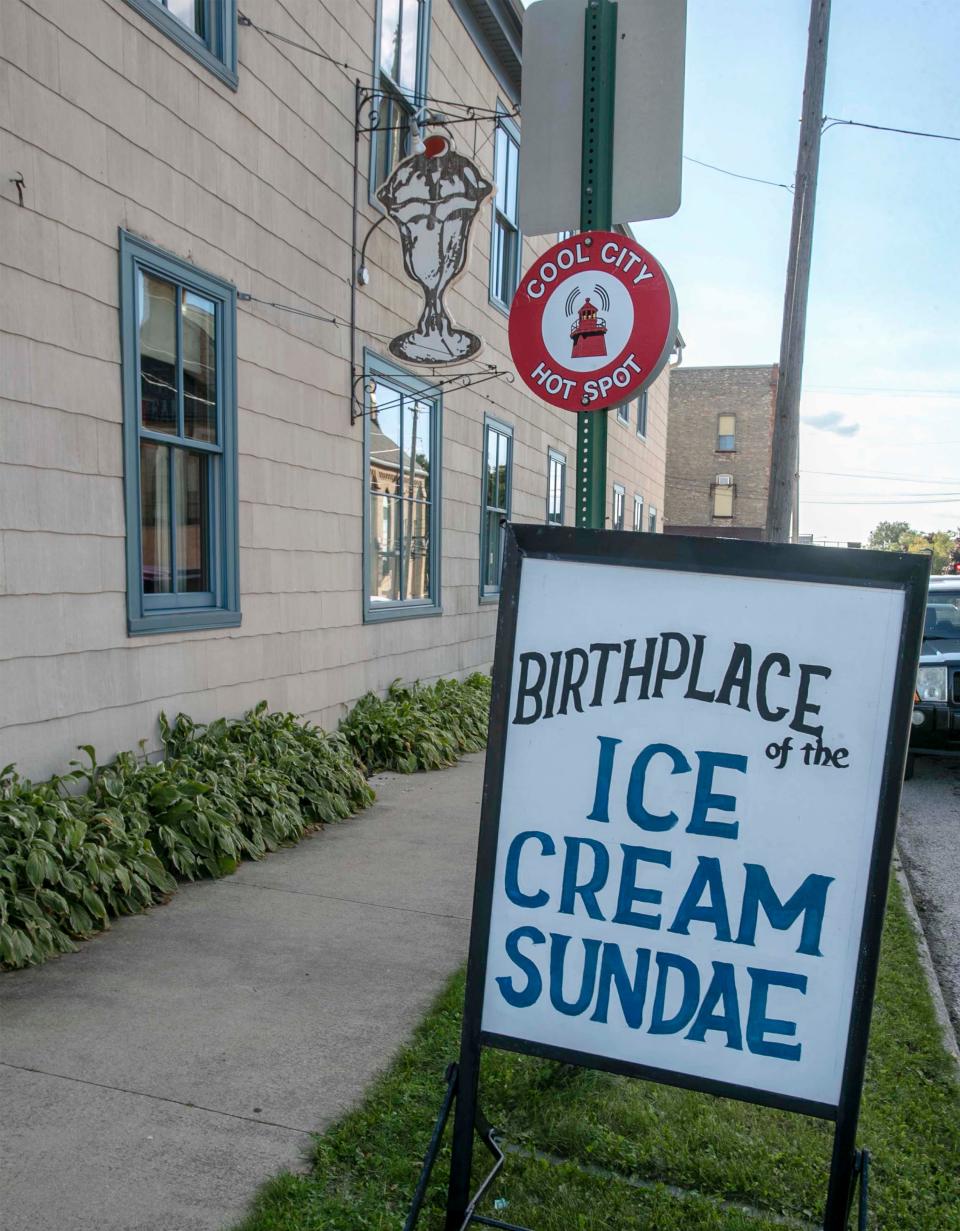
x: 738, y: 558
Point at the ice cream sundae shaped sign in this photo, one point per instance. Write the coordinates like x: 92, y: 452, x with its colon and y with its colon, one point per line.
x: 434, y: 198
x: 593, y: 322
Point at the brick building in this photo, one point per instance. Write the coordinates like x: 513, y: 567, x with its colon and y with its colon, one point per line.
x: 216, y: 484
x: 719, y: 438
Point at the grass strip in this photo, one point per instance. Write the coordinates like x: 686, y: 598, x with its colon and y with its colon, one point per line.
x: 591, y: 1151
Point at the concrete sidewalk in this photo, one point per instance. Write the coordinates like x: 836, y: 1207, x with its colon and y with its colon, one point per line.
x: 153, y: 1080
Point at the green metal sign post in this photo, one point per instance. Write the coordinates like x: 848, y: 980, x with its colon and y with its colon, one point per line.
x: 596, y: 191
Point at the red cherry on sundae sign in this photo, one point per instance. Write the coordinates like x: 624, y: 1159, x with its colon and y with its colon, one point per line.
x: 593, y: 322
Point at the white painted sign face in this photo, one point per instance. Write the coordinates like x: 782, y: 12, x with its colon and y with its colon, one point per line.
x: 691, y: 778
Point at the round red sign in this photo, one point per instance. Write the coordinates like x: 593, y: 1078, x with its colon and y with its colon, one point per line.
x: 593, y: 321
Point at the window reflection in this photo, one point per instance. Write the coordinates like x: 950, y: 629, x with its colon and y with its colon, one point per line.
x: 199, y: 322
x: 192, y: 13
x: 400, y: 436
x: 158, y: 354
x: 155, y: 517
x: 399, y: 22
x: 190, y: 486
x: 495, y: 505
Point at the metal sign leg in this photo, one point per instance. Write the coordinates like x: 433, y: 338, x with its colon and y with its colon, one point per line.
x: 461, y: 1207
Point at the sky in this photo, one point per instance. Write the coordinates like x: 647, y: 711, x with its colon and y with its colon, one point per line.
x: 880, y: 410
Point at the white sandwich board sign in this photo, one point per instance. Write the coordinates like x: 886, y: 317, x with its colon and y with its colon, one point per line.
x: 692, y: 786
x: 648, y: 112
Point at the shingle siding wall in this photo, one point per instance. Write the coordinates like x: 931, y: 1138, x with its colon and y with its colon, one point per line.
x: 113, y: 126
x: 697, y: 397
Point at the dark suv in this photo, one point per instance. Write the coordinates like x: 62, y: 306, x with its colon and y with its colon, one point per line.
x: 936, y: 712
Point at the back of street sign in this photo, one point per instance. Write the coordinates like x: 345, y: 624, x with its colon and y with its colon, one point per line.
x: 648, y: 113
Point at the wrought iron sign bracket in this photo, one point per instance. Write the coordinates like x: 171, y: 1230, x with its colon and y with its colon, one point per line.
x: 364, y: 385
x: 414, y: 180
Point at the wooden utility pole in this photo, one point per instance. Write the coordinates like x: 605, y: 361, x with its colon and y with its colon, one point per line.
x: 785, y: 460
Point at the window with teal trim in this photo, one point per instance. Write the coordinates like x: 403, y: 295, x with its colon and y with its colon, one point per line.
x: 619, y: 504
x: 401, y: 440
x: 402, y: 60
x: 496, y: 497
x: 556, y: 487
x: 505, y: 238
x: 178, y: 337
x: 643, y: 406
x: 207, y: 29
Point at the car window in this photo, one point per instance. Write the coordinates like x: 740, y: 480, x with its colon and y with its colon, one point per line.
x: 942, y: 618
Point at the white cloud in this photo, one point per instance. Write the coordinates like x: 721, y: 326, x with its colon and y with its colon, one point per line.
x: 900, y: 466
x: 831, y: 421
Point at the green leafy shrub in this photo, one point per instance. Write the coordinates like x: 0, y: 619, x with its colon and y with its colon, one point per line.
x: 109, y: 840
x: 104, y: 841
x: 69, y: 861
x: 261, y: 782
x: 419, y: 727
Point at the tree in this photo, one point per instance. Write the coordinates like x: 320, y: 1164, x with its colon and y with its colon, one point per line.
x: 942, y: 545
x: 889, y: 535
x: 953, y: 561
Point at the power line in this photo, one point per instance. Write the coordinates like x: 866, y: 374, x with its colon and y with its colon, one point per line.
x: 873, y: 474
x: 929, y: 393
x: 830, y: 121
x: 243, y: 20
x: 243, y: 297
x: 754, y: 179
x: 479, y: 113
x: 944, y: 498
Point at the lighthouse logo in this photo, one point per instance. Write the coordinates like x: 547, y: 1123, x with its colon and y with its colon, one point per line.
x: 588, y: 331
x: 587, y: 320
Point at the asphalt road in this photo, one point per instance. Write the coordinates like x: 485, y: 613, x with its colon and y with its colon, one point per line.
x: 929, y: 841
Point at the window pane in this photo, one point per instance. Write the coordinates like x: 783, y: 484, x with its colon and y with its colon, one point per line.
x: 492, y: 439
x: 723, y: 502
x: 555, y: 492
x: 191, y: 12
x: 191, y: 491
x: 392, y: 135
x: 416, y: 449
x: 500, y: 169
x: 398, y: 41
x: 726, y: 431
x: 638, y: 514
x: 642, y: 415
x: 158, y: 354
x: 510, y: 254
x: 384, y: 140
x: 416, y: 549
x: 390, y: 37
x: 400, y: 494
x: 491, y: 559
x: 513, y: 159
x: 199, y: 332
x: 618, y: 503
x: 155, y: 517
x: 652, y: 521
x: 385, y: 407
x: 497, y: 241
x: 384, y: 556
x: 503, y: 454
x: 504, y: 261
